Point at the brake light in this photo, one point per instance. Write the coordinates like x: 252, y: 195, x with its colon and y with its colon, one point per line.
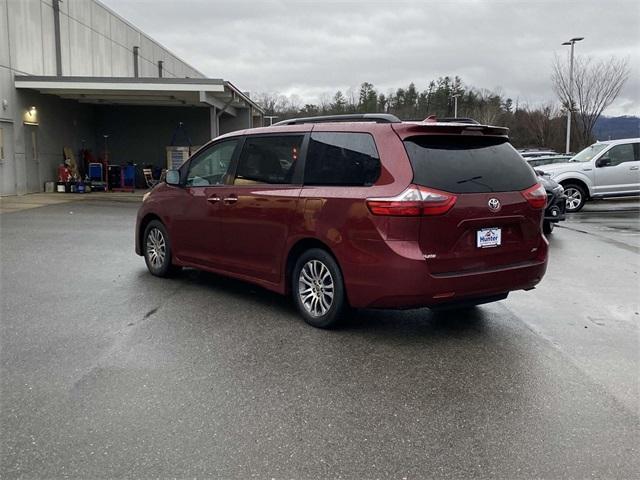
x: 415, y: 201
x: 536, y: 196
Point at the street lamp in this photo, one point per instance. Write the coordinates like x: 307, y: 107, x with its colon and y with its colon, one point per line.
x: 571, y: 42
x: 455, y: 105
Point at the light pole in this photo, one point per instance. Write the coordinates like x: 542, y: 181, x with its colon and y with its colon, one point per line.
x: 571, y: 42
x: 455, y: 105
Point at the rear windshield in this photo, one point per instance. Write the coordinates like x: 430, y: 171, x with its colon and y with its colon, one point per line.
x: 468, y: 164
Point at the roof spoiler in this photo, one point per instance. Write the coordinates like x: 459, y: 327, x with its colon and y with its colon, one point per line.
x: 433, y: 128
x: 433, y: 119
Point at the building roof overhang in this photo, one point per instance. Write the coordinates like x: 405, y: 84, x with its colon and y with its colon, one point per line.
x: 143, y: 91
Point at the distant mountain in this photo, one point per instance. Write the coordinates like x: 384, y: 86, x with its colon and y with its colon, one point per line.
x: 612, y: 128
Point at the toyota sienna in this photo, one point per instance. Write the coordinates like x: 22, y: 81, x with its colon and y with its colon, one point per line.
x: 360, y: 211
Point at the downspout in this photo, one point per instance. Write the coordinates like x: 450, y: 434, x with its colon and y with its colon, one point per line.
x: 135, y: 61
x: 56, y: 33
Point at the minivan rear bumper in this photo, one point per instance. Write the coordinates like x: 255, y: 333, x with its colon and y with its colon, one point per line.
x: 407, y: 282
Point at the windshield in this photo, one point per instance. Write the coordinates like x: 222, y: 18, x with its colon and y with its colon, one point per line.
x: 589, y: 152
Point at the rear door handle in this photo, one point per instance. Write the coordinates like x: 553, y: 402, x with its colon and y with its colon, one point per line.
x: 230, y: 199
x: 213, y: 199
x: 634, y: 168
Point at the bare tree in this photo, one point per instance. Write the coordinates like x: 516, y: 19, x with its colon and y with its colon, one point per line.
x: 352, y: 100
x: 325, y: 102
x: 488, y: 106
x: 539, y: 121
x: 268, y: 101
x: 596, y: 84
x: 295, y: 102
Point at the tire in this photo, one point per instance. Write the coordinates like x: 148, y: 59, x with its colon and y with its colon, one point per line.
x: 157, y: 250
x: 576, y: 197
x: 547, y: 227
x: 318, y: 289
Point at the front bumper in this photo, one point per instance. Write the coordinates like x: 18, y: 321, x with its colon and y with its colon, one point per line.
x: 556, y: 207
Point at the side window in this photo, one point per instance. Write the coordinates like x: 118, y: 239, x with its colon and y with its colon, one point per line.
x: 620, y: 154
x: 269, y: 159
x: 211, y: 166
x: 341, y: 158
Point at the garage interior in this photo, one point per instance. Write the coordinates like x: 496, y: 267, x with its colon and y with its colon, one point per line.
x: 133, y: 119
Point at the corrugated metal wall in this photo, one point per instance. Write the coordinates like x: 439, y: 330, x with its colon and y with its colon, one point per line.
x: 94, y: 42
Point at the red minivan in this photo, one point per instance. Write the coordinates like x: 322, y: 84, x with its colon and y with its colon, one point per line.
x: 354, y: 211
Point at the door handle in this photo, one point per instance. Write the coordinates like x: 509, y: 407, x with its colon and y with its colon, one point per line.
x: 586, y: 169
x: 213, y: 199
x: 230, y: 199
x: 634, y: 168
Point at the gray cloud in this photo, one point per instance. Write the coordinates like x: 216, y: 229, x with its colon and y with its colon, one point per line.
x: 310, y: 48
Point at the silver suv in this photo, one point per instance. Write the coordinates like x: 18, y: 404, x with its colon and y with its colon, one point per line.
x: 604, y: 169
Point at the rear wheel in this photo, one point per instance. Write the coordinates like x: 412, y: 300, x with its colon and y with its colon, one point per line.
x: 157, y: 250
x: 318, y: 288
x: 547, y: 226
x: 576, y: 197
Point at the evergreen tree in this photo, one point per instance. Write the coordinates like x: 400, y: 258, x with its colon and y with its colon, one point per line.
x: 339, y: 104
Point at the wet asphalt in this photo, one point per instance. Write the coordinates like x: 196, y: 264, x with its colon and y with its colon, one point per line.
x: 109, y: 372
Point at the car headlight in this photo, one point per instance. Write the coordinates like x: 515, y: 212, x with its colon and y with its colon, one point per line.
x: 145, y: 196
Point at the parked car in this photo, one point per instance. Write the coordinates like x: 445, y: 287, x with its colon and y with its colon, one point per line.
x: 556, y: 203
x: 604, y: 169
x: 548, y: 160
x: 359, y: 211
x: 530, y: 153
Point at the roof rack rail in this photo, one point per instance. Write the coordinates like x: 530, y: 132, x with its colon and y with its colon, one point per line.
x: 433, y: 118
x: 354, y: 117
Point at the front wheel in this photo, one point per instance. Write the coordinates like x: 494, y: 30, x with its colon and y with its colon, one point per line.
x: 576, y: 197
x: 318, y: 288
x: 547, y: 226
x: 157, y: 250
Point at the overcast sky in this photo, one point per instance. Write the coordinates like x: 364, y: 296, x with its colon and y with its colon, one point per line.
x: 315, y: 47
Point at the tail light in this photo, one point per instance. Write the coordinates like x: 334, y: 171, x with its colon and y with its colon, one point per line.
x: 415, y: 201
x: 536, y: 196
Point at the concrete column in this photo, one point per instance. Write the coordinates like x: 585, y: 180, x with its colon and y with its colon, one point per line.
x: 214, y: 122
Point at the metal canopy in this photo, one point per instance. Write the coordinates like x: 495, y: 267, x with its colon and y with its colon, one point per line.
x: 142, y: 91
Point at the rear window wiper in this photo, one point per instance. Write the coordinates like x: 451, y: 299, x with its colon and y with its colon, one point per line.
x: 472, y: 179
x: 475, y: 180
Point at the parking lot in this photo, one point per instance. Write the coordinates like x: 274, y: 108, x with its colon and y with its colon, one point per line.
x: 108, y: 372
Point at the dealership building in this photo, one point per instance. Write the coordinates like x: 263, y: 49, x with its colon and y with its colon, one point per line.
x: 77, y: 77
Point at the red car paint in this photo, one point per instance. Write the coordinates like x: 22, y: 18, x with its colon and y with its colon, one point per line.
x: 252, y: 231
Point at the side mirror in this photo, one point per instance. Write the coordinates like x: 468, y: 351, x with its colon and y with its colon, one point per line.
x: 172, y: 177
x: 603, y: 162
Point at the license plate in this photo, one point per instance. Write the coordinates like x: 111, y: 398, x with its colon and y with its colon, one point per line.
x: 489, y: 237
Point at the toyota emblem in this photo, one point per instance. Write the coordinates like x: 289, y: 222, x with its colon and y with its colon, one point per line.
x: 494, y: 204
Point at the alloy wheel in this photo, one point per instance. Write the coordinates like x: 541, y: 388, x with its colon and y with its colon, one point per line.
x: 156, y: 248
x: 316, y: 288
x: 574, y: 198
